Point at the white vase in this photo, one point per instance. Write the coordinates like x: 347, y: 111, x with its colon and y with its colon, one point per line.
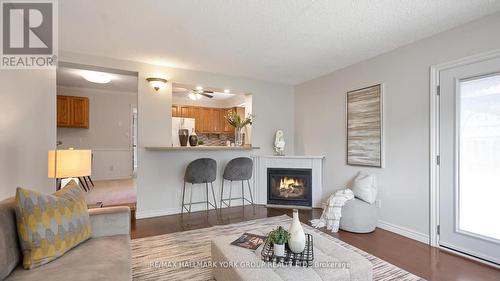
x: 297, y: 241
x: 279, y: 250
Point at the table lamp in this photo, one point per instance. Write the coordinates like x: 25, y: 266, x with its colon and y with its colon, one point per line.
x: 69, y: 163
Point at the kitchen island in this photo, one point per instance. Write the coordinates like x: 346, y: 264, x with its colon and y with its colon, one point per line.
x: 167, y: 164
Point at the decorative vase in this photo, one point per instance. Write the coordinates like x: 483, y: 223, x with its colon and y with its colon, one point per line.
x: 193, y: 139
x: 238, y: 136
x: 279, y: 250
x: 183, y: 136
x: 297, y: 241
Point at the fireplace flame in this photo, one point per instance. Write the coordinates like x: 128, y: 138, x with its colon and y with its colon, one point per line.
x: 289, y: 184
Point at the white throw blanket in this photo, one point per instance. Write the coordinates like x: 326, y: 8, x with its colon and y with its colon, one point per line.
x: 333, y: 210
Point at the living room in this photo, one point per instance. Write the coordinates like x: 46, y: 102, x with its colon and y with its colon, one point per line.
x: 302, y: 71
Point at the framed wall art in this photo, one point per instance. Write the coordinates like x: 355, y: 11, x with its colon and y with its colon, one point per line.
x: 364, y: 127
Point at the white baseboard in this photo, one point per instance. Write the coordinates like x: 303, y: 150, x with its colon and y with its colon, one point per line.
x: 412, y: 234
x: 122, y: 177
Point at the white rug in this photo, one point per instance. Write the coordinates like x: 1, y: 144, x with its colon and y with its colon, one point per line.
x: 177, y: 256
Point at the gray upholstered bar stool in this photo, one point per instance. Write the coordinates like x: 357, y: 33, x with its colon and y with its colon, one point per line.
x: 238, y: 169
x: 199, y: 171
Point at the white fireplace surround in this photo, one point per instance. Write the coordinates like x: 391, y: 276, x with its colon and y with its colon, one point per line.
x: 315, y: 163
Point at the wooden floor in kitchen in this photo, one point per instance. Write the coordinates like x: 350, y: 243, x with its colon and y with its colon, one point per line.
x: 418, y: 258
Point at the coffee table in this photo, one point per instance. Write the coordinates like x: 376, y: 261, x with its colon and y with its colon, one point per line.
x: 331, y: 262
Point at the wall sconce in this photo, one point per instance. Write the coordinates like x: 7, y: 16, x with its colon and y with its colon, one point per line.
x: 157, y: 83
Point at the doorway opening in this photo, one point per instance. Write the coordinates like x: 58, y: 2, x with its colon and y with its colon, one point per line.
x: 97, y: 111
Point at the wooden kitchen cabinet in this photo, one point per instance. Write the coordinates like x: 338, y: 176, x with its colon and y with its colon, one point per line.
x: 175, y: 111
x: 208, y: 120
x: 186, y: 111
x: 215, y: 116
x: 73, y: 112
x: 197, y: 119
x: 63, y: 112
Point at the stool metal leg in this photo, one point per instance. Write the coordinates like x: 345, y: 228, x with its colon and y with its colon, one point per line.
x: 206, y: 193
x: 191, y: 198
x: 213, y: 194
x: 222, y: 194
x: 250, y: 190
x: 242, y: 194
x: 230, y: 189
x: 183, y: 194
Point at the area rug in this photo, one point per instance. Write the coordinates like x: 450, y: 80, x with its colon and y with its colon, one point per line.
x: 184, y: 255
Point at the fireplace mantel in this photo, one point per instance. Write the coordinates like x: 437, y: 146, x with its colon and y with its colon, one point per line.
x: 262, y: 163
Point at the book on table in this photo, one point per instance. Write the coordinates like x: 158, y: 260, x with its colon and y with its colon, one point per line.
x: 249, y: 241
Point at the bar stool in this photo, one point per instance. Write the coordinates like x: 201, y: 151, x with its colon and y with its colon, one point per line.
x: 238, y: 169
x: 199, y: 171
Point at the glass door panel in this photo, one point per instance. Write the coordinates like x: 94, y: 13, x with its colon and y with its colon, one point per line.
x: 479, y: 157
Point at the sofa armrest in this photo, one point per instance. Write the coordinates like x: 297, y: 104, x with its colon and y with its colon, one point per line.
x: 110, y: 221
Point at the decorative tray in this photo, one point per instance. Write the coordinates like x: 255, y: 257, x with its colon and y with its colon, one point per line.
x: 304, y: 259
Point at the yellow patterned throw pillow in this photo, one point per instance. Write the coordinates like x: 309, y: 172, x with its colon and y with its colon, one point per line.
x: 50, y: 225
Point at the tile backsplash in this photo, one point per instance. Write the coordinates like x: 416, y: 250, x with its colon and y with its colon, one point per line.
x: 216, y: 139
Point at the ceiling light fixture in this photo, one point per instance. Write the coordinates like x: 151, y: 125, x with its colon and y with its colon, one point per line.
x: 192, y: 96
x: 157, y: 83
x: 227, y: 91
x: 199, y: 88
x: 96, y: 77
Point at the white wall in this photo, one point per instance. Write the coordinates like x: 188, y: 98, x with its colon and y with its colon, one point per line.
x: 160, y: 173
x: 404, y: 183
x: 109, y: 132
x: 206, y: 102
x: 27, y: 129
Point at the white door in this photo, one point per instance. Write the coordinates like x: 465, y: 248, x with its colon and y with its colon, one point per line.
x: 469, y: 144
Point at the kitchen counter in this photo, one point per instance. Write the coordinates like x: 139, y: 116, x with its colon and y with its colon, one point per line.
x: 200, y: 148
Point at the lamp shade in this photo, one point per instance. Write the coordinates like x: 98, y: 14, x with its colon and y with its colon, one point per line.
x: 70, y: 163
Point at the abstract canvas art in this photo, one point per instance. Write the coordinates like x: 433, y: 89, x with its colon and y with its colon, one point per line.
x: 364, y: 127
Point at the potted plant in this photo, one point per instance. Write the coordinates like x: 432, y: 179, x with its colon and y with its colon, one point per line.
x: 279, y: 237
x: 235, y: 120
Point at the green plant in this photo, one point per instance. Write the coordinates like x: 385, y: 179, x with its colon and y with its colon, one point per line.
x: 200, y: 142
x: 279, y: 236
x: 235, y: 120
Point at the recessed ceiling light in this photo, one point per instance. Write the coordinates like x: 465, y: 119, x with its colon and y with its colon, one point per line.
x: 96, y: 77
x: 227, y: 91
x: 199, y: 88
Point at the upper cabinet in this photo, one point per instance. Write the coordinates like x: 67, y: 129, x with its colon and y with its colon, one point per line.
x: 63, y: 117
x: 72, y: 112
x: 175, y: 111
x: 207, y: 119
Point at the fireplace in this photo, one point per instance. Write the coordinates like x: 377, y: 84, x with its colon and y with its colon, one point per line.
x: 289, y: 187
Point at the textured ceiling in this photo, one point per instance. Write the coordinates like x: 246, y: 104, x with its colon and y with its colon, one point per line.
x: 285, y: 41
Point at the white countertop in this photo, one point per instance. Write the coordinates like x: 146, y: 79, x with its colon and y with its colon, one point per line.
x: 199, y: 148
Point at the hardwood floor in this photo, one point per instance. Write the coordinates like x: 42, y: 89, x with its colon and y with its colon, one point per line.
x: 418, y: 258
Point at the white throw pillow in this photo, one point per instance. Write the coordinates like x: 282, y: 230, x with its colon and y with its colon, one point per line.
x: 365, y: 187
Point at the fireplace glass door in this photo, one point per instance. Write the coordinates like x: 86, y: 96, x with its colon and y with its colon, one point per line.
x: 289, y: 187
